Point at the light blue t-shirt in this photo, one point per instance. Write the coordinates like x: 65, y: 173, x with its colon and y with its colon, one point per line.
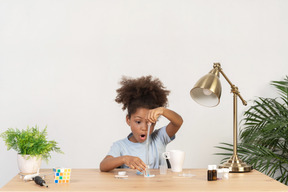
x: 158, y: 141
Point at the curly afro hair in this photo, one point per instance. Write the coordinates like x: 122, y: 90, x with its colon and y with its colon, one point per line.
x: 142, y: 92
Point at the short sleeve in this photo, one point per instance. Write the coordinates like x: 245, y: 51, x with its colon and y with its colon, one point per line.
x: 164, y: 137
x: 115, y: 150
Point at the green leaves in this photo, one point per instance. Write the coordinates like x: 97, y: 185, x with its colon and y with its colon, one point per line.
x: 30, y: 141
x: 264, y: 135
x: 282, y: 87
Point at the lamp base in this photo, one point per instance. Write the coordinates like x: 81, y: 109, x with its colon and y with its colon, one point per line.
x: 235, y: 165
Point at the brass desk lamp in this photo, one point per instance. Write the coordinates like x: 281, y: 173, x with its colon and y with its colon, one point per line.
x: 207, y: 92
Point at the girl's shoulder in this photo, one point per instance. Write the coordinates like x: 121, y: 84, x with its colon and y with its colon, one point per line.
x: 158, y: 132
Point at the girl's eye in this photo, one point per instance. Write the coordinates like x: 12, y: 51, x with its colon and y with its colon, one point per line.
x: 138, y: 122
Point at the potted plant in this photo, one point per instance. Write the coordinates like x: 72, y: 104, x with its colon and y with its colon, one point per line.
x: 264, y: 135
x: 31, y: 145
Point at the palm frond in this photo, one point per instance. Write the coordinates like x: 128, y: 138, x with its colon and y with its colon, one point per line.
x: 282, y: 87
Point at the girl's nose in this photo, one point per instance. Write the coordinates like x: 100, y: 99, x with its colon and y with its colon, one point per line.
x: 144, y: 128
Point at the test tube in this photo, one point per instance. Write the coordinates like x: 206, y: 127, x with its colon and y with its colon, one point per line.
x: 147, y: 171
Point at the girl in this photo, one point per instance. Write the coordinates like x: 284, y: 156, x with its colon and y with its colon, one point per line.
x: 145, y: 100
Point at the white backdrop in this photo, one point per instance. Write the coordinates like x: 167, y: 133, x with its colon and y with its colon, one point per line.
x: 61, y: 62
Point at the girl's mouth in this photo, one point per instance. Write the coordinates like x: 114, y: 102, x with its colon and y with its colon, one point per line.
x: 142, y: 137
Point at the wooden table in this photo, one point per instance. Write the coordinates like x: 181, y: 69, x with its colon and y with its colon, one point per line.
x: 94, y: 180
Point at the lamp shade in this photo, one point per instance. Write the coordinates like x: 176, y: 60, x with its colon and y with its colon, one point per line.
x: 207, y: 91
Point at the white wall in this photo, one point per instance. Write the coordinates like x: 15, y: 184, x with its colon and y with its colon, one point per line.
x: 61, y: 61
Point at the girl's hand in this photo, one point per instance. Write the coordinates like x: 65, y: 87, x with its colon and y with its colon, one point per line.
x: 134, y: 163
x: 175, y: 119
x: 154, y: 114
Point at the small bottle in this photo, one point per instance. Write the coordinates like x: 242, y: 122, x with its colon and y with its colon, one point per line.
x: 219, y: 174
x: 214, y: 172
x: 163, y: 166
x: 225, y: 173
x: 209, y: 173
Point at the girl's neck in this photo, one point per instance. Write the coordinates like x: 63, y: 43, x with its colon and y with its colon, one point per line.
x: 132, y: 139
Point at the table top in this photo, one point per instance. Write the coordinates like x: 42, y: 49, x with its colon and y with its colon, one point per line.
x: 191, y: 180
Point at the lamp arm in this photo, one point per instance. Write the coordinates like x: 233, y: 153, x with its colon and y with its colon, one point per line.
x: 234, y: 89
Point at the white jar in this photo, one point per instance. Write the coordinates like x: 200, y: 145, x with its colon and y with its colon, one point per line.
x: 225, y: 173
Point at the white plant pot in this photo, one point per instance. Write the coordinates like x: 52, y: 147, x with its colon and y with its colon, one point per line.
x: 27, y: 164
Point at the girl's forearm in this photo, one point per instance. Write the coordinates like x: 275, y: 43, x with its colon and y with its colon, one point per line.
x: 173, y: 117
x: 110, y: 163
x: 175, y: 121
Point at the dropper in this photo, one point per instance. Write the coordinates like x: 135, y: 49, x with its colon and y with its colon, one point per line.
x: 147, y: 171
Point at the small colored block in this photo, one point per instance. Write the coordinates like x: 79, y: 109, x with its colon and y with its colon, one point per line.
x: 62, y: 175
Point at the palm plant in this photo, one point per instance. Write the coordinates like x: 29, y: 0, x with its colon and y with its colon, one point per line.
x: 263, y: 139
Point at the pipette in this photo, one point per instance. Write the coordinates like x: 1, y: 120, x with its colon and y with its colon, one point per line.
x: 147, y: 171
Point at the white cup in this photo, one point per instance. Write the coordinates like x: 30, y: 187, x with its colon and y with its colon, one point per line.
x: 176, y: 158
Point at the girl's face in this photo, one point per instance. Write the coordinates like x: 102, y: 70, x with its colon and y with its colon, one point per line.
x: 138, y: 123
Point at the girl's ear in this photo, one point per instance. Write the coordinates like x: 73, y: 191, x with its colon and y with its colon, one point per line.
x: 127, y: 120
